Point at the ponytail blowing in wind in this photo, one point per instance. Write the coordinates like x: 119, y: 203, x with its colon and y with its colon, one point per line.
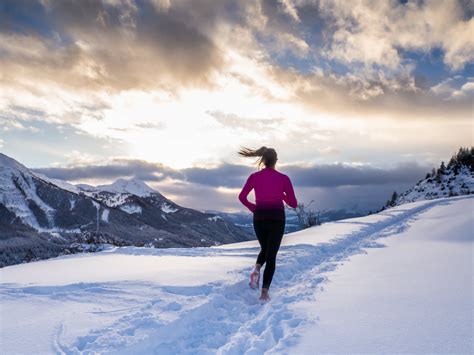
x: 268, y: 156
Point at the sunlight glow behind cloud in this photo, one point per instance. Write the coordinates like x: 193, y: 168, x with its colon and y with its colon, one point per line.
x: 324, y: 82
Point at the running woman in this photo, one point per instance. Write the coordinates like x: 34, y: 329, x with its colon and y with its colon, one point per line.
x: 271, y: 189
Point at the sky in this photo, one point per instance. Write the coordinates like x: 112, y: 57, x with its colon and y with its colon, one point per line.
x: 359, y: 98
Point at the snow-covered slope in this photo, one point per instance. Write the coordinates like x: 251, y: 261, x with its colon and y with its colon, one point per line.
x: 455, y: 179
x: 393, y: 282
x: 447, y: 184
x: 59, y: 183
x: 18, y: 193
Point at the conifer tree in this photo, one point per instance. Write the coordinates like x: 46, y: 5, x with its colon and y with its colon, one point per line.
x: 393, y: 199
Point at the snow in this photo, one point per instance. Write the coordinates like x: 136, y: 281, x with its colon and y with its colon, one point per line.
x: 166, y: 208
x: 9, y: 164
x: 414, y: 297
x: 105, y: 215
x: 131, y: 208
x: 17, y: 188
x: 119, y: 193
x: 112, y: 200
x: 450, y: 184
x: 132, y: 186
x: 59, y: 183
x: 214, y: 219
x: 398, y: 281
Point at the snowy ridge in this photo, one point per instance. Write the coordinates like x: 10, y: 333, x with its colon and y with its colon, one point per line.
x: 455, y: 179
x: 447, y: 184
x: 17, y: 188
x: 59, y: 183
x: 131, y: 186
x: 9, y: 164
x: 199, y: 301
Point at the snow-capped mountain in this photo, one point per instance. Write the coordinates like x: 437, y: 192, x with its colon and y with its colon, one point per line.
x: 136, y: 198
x: 39, y: 203
x: 455, y: 179
x: 123, y: 194
x: 40, y: 217
x: 122, y: 186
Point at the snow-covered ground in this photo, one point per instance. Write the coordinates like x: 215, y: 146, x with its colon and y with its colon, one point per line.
x: 400, y: 281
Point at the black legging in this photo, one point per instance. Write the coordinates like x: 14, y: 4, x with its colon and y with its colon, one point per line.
x: 269, y: 234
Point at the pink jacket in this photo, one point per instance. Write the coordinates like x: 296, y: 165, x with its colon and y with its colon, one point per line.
x: 271, y: 189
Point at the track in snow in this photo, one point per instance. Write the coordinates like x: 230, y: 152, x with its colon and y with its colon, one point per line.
x: 228, y: 318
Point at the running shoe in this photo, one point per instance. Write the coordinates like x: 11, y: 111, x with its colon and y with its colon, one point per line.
x: 254, y: 279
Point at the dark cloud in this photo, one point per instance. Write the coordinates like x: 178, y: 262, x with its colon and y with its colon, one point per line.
x: 234, y: 176
x: 330, y: 186
x: 225, y: 175
x: 94, y: 45
x: 98, y: 45
x: 119, y: 168
x: 345, y: 175
x: 199, y: 197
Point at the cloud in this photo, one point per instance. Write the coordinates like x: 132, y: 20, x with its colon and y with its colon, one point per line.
x: 117, y: 168
x: 337, y: 175
x: 234, y: 176
x: 10, y: 124
x: 328, y: 151
x: 372, y: 32
x: 289, y: 7
x: 72, y: 53
x: 371, y: 94
x: 225, y: 175
x: 107, y: 45
x: 176, y: 82
x: 455, y: 89
x: 251, y: 124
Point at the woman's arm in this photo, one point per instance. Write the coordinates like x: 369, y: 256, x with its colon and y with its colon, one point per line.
x: 244, y: 193
x: 289, y: 194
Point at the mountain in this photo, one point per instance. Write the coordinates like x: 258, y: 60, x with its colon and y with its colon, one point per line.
x: 455, y: 179
x: 135, y: 198
x: 42, y: 217
x: 121, y: 186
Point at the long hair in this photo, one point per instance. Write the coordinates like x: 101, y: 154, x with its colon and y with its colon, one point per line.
x: 268, y: 156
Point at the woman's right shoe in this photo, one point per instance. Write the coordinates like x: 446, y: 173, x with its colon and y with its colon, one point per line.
x: 254, y: 279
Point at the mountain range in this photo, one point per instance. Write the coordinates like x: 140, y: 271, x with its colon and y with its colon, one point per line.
x: 42, y: 217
